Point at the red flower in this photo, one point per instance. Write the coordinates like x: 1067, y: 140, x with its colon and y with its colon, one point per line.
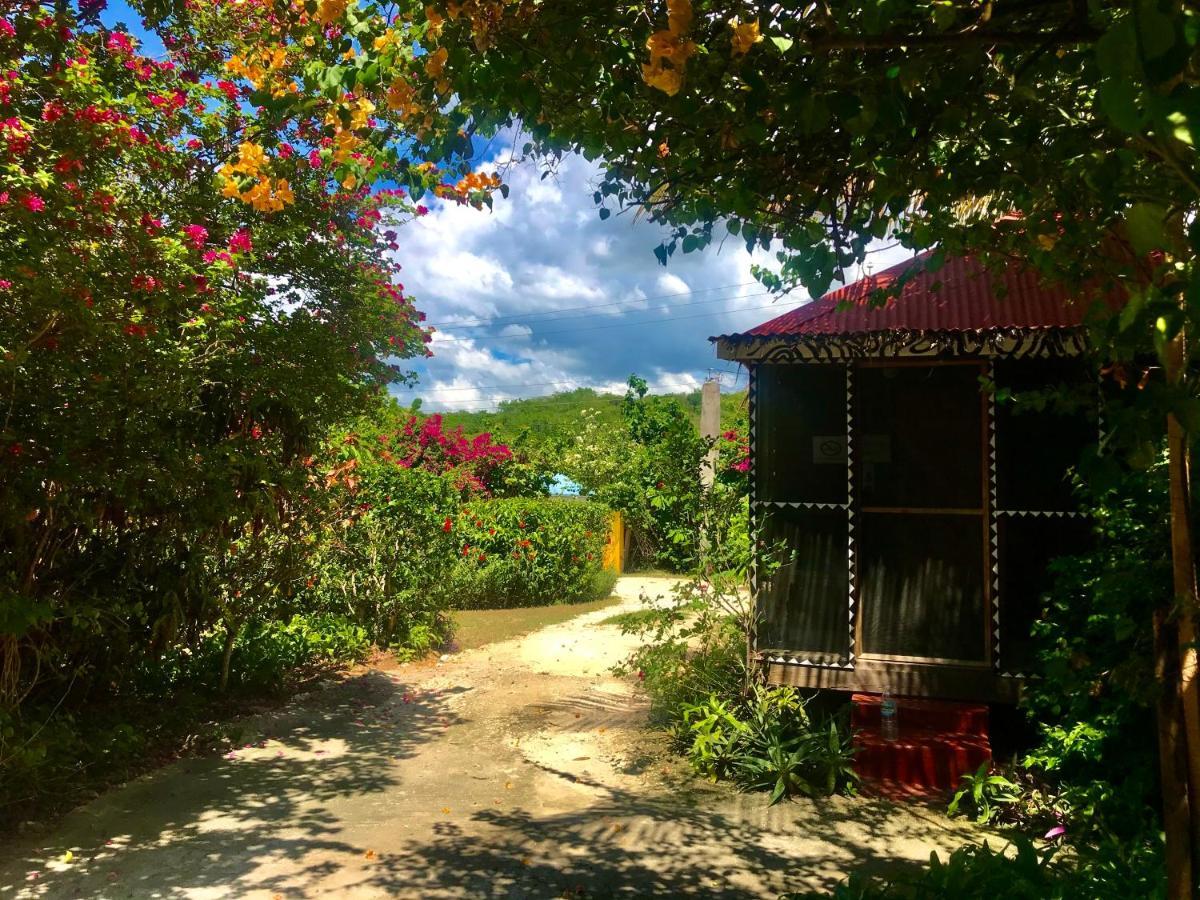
x: 240, y: 242
x: 447, y: 525
x: 196, y: 235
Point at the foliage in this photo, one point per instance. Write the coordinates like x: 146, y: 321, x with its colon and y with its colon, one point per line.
x: 386, y: 563
x: 983, y: 794
x: 1016, y: 872
x: 767, y: 742
x: 689, y: 648
x: 529, y: 552
x: 52, y: 756
x: 411, y: 441
x: 548, y: 419
x: 1093, y: 693
x: 196, y: 289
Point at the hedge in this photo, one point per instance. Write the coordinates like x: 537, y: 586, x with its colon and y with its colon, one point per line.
x: 530, y: 552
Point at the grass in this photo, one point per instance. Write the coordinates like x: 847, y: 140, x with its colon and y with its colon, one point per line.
x: 633, y: 619
x: 476, y: 627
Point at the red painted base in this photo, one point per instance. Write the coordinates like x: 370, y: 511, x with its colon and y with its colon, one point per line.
x: 938, y: 743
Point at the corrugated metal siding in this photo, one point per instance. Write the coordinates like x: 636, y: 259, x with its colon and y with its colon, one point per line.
x: 961, y: 296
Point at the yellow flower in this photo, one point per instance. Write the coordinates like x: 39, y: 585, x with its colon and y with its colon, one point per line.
x: 385, y: 40
x: 745, y: 36
x: 230, y: 189
x: 679, y: 16
x: 400, y: 97
x: 330, y: 11
x: 435, y: 62
x: 350, y: 181
x: 435, y: 21
x: 283, y: 191
x: 666, y: 80
x: 670, y: 46
x: 360, y: 113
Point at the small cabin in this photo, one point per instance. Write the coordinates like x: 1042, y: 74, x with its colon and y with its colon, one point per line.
x: 916, y: 514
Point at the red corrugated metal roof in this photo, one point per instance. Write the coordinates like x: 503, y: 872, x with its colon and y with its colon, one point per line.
x: 960, y: 296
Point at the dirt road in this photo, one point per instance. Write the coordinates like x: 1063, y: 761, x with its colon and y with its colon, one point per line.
x: 521, y: 769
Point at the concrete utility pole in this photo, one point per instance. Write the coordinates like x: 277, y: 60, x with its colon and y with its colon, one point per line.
x: 710, y: 427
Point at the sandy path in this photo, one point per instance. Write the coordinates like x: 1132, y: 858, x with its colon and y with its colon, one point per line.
x: 518, y: 770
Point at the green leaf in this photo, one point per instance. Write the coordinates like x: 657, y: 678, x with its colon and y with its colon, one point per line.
x: 1146, y: 223
x: 783, y: 43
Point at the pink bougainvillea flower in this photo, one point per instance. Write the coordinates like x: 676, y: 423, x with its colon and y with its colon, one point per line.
x: 196, y: 235
x: 34, y: 203
x: 240, y: 242
x: 422, y: 210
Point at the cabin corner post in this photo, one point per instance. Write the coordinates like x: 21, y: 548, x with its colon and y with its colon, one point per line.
x: 991, y: 517
x: 851, y: 555
x: 756, y: 668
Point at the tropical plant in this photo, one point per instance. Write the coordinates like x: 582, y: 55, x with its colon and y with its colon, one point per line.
x: 983, y: 793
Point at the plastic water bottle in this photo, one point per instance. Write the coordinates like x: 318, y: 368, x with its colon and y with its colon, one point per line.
x: 889, y: 728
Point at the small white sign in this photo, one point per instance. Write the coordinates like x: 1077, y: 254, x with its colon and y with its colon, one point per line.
x: 829, y: 449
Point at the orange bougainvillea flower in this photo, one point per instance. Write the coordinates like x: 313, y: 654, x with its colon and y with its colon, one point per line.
x: 745, y: 36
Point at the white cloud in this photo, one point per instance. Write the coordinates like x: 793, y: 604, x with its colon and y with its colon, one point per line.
x: 540, y: 295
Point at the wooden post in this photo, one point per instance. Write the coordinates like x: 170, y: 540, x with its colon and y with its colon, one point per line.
x: 710, y: 429
x: 1184, y: 669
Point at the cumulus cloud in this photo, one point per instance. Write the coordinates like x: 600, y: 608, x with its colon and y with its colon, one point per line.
x: 539, y: 295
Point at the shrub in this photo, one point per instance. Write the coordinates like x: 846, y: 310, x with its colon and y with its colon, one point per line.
x: 688, y: 649
x: 529, y: 552
x: 767, y: 742
x: 1017, y: 872
x: 387, y: 564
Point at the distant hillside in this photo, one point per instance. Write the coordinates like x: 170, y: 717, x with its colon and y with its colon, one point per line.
x: 554, y: 412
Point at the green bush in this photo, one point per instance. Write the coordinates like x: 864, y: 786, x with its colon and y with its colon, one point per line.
x: 687, y: 650
x: 1017, y: 872
x: 265, y: 655
x: 767, y: 742
x: 388, y: 566
x: 529, y: 552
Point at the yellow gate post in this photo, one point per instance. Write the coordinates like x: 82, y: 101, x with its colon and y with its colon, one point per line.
x: 614, y: 547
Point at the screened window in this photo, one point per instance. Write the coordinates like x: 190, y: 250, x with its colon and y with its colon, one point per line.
x: 800, y: 433
x: 1036, y: 448
x: 804, y: 606
x: 918, y: 436
x: 921, y: 584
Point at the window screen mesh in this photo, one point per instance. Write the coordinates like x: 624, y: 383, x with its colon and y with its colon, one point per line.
x: 804, y: 607
x: 918, y: 438
x: 921, y: 585
x: 800, y: 433
x: 1036, y: 448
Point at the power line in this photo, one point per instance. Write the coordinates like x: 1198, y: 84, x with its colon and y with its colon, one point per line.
x: 629, y: 324
x: 482, y: 323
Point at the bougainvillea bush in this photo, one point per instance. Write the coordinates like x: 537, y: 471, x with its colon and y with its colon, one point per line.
x: 529, y: 552
x: 196, y: 289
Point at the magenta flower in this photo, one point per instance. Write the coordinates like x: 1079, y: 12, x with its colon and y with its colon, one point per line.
x: 196, y: 235
x: 240, y: 242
